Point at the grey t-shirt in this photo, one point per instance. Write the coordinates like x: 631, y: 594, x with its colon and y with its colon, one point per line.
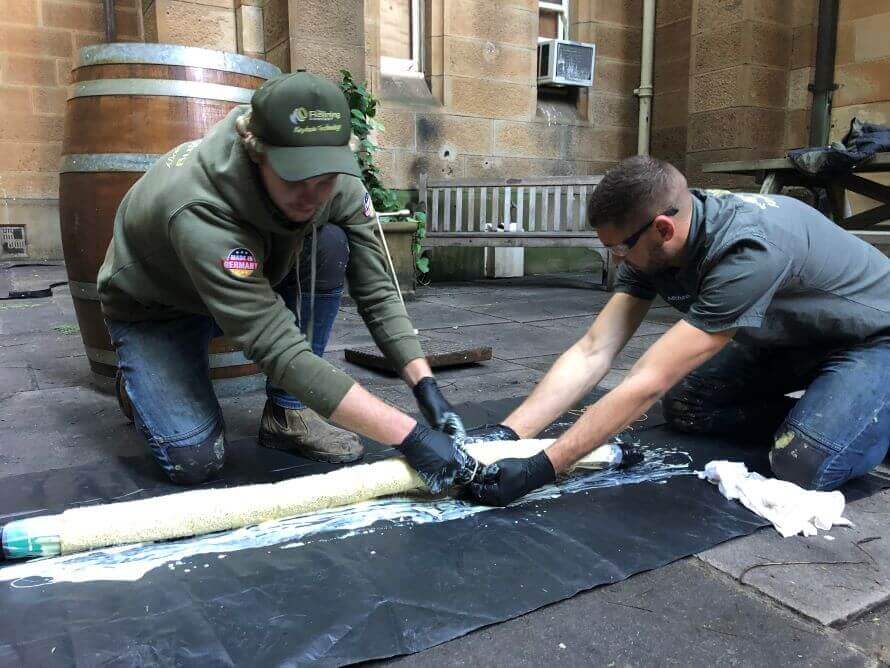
x: 776, y: 269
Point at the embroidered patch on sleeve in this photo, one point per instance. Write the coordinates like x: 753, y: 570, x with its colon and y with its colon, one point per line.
x: 367, y: 206
x: 240, y: 262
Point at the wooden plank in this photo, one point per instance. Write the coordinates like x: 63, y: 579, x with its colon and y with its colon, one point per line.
x: 582, y: 208
x: 439, y: 354
x: 532, y: 208
x: 528, y: 181
x: 880, y: 163
x: 867, y: 218
x: 492, y: 239
x: 508, y: 201
x: 867, y: 187
x: 434, y: 224
x: 494, y: 208
x: 545, y: 208
x: 422, y: 192
x: 557, y: 204
x: 459, y: 210
x: 520, y: 207
x: 880, y: 239
x: 483, y: 206
x: 447, y: 205
x: 570, y: 207
x: 471, y: 218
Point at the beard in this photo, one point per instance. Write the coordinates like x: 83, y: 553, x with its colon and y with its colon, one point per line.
x: 657, y: 261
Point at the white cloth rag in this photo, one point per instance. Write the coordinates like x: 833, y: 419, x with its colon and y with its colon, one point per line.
x: 790, y: 508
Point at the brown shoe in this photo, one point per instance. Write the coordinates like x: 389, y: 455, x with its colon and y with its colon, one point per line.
x: 305, y: 432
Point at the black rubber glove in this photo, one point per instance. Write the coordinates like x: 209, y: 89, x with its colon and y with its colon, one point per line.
x: 437, y: 458
x: 503, y: 482
x: 492, y: 432
x: 436, y: 409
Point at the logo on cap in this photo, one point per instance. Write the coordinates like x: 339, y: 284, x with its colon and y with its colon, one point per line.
x: 240, y: 262
x: 299, y: 115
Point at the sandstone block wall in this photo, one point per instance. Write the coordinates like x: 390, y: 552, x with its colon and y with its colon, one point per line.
x: 482, y: 114
x: 38, y: 42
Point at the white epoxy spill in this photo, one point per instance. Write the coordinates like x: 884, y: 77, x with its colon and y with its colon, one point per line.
x: 132, y: 562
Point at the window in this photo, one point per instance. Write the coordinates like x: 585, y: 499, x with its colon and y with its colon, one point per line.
x: 553, y: 19
x: 400, y: 37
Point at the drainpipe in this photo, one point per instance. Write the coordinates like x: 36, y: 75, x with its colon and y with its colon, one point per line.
x: 824, y: 86
x: 644, y: 92
x: 110, y: 28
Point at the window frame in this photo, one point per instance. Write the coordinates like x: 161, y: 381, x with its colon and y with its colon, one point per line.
x: 561, y: 9
x: 413, y: 66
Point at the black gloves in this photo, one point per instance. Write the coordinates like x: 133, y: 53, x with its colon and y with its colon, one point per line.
x: 437, y: 459
x: 436, y: 409
x: 506, y: 480
x: 492, y: 432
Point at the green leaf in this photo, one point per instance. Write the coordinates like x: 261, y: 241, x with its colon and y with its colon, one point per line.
x: 423, y: 265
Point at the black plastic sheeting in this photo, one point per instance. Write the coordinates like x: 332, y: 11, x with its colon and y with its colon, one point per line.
x: 342, y: 599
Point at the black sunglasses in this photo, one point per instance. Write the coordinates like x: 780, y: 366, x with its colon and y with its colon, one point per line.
x: 625, y: 246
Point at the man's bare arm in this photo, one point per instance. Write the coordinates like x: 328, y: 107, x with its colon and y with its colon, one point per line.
x: 581, y: 367
x: 680, y: 350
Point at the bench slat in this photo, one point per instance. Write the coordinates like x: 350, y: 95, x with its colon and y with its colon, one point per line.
x: 557, y: 208
x: 434, y: 222
x: 458, y: 213
x: 520, y: 208
x: 529, y: 181
x: 508, y: 200
x: 447, y: 226
x: 483, y: 206
x: 545, y: 206
x: 471, y: 220
x: 532, y: 206
x: 582, y: 209
x: 570, y: 208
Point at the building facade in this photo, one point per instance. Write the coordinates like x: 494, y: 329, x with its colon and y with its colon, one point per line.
x: 457, y: 80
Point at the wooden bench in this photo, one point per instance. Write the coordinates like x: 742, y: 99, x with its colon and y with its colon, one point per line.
x: 549, y: 211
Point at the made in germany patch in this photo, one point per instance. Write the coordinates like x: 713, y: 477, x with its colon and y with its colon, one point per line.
x: 240, y: 262
x: 367, y: 206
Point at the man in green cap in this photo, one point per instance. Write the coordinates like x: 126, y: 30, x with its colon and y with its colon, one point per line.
x: 207, y: 242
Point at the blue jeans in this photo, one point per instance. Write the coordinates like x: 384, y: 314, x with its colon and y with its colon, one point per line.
x: 166, y: 370
x: 838, y: 430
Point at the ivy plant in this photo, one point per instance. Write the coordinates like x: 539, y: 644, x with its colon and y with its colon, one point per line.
x: 363, y: 112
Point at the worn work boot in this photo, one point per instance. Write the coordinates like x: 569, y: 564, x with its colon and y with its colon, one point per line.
x: 305, y: 432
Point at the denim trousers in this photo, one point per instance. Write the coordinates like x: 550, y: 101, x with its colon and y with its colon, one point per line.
x: 166, y: 373
x: 838, y: 430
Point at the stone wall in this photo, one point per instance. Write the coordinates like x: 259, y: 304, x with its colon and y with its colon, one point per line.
x: 482, y: 114
x: 38, y: 42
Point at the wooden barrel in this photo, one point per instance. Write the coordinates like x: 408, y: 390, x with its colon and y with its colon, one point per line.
x: 129, y: 104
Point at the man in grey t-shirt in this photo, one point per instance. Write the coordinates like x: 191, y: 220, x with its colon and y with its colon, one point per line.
x: 776, y: 298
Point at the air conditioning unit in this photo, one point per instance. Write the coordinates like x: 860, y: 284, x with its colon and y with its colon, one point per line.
x: 565, y: 63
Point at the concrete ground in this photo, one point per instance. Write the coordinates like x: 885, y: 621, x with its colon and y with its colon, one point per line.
x: 757, y: 600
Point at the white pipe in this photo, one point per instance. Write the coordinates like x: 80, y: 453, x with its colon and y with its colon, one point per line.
x: 644, y: 92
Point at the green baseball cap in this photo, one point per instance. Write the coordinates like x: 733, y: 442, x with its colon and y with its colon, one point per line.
x: 304, y: 121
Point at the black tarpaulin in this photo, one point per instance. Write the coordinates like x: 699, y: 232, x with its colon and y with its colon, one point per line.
x: 344, y: 595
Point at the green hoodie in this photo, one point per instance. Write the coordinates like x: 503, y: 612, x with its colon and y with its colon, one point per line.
x: 198, y: 234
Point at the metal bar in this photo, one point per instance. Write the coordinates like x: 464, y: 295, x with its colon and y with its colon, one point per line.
x: 170, y: 54
x: 823, y: 78
x: 868, y: 188
x: 867, y: 218
x: 107, y: 162
x: 161, y: 87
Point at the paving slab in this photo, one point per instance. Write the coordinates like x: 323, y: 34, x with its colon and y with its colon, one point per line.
x: 429, y: 315
x: 14, y: 379
x: 538, y: 308
x: 831, y: 581
x: 509, y: 340
x: 677, y: 615
x: 871, y: 633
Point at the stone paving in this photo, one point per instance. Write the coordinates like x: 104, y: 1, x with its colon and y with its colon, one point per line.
x: 757, y: 600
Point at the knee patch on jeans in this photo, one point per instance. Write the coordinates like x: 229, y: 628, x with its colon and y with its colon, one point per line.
x: 797, y: 458
x: 193, y: 464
